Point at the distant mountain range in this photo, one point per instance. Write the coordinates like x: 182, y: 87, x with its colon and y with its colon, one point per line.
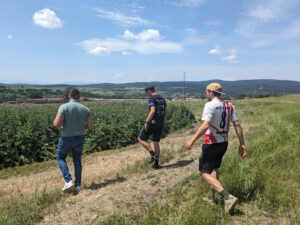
x: 239, y: 88
x: 196, y: 88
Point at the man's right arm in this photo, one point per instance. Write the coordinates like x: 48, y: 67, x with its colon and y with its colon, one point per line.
x: 58, y: 121
x: 89, y: 123
x: 239, y: 132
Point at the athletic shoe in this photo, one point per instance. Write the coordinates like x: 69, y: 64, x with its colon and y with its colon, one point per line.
x: 68, y: 186
x: 230, y: 203
x: 210, y: 200
x: 76, y: 190
x: 152, y: 159
x: 156, y: 165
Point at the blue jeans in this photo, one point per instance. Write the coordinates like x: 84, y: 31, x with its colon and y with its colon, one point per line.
x: 72, y: 144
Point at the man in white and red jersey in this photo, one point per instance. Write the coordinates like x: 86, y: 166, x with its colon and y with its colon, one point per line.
x: 216, y: 117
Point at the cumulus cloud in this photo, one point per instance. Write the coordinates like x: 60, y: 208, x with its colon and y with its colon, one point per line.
x: 47, y: 18
x: 215, y: 51
x: 231, y: 56
x: 127, y: 53
x: 121, y: 18
x: 146, y: 35
x: 265, y: 11
x: 146, y: 42
x: 100, y: 51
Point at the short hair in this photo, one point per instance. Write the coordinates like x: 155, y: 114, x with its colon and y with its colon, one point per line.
x: 216, y: 93
x: 149, y: 88
x: 74, y: 93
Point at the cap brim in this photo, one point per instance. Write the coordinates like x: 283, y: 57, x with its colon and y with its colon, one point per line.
x: 221, y: 93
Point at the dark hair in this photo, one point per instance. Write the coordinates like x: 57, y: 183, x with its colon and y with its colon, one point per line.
x: 216, y: 93
x: 74, y: 93
x: 151, y: 88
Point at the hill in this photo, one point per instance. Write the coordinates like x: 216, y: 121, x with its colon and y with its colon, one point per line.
x: 171, y: 89
x: 261, y: 87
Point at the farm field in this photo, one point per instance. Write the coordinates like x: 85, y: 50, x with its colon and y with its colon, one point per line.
x: 27, y: 133
x: 120, y: 188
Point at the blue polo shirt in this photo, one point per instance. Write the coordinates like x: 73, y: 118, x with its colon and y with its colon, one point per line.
x: 75, y: 117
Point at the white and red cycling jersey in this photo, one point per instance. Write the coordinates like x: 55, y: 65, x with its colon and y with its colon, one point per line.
x: 219, y: 114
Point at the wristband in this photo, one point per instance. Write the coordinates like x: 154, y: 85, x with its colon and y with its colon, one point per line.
x: 147, y: 122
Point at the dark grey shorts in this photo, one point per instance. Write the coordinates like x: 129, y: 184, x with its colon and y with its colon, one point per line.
x: 211, y: 156
x: 153, y: 130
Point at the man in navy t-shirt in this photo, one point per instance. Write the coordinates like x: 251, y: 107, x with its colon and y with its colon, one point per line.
x: 153, y: 125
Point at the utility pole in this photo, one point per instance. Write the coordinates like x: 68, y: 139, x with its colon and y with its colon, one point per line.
x: 183, y: 85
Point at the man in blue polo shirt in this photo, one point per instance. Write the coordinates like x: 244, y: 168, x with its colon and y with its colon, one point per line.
x: 73, y: 119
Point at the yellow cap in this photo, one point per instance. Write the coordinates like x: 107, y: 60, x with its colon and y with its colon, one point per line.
x: 216, y: 87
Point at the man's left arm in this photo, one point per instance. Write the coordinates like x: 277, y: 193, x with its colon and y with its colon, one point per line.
x: 239, y: 132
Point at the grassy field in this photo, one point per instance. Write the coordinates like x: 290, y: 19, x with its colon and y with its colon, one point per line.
x: 267, y: 182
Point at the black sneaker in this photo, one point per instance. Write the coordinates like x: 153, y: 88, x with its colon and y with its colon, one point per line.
x: 152, y: 159
x: 156, y: 165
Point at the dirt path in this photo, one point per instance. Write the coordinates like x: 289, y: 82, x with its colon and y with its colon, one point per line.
x: 124, y: 194
x: 101, y: 166
x: 94, y: 168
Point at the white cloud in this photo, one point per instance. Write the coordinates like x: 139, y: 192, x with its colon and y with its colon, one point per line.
x: 47, y: 18
x: 146, y: 35
x: 142, y: 43
x: 262, y: 12
x: 187, y: 3
x: 231, y: 57
x: 215, y: 51
x: 127, y: 53
x: 122, y: 18
x: 99, y: 51
x: 293, y: 31
x: 9, y: 36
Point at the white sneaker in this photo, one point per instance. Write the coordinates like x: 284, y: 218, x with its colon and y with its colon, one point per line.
x: 68, y: 186
x: 230, y: 203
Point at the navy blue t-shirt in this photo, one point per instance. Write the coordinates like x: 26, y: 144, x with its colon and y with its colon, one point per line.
x: 160, y: 108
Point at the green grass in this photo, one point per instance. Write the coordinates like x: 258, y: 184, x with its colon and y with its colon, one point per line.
x: 27, y: 169
x: 31, y: 210
x: 268, y: 178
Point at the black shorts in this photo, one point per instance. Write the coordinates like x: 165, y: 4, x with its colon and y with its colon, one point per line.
x: 152, y: 129
x: 211, y: 156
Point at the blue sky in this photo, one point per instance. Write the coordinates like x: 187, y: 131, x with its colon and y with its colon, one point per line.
x: 118, y: 41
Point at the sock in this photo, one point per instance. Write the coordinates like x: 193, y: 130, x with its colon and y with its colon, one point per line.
x: 211, y: 194
x: 152, y: 153
x: 224, y: 194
